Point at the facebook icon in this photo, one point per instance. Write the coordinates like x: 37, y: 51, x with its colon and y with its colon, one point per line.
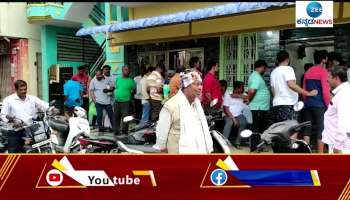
x: 218, y: 177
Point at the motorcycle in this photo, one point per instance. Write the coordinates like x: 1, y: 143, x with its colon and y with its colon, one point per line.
x: 220, y: 143
x: 3, y: 138
x: 281, y: 136
x: 37, y: 139
x: 65, y: 132
x: 141, y: 134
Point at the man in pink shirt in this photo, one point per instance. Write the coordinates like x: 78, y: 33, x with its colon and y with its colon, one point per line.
x: 211, y: 88
x: 336, y: 133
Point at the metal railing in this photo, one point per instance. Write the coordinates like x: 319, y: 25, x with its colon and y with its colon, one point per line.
x: 98, y: 60
x: 97, y: 15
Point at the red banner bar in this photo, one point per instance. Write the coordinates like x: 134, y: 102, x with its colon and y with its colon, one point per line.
x: 171, y: 176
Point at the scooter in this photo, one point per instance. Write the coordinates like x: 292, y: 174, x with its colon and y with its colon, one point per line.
x: 278, y: 135
x: 65, y: 132
x: 220, y: 143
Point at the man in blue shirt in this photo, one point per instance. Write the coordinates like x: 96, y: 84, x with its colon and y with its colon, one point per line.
x: 72, y: 91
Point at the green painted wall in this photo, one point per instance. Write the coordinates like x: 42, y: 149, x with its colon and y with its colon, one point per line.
x: 49, y: 53
x: 114, y: 56
x: 55, y: 11
x: 100, y: 37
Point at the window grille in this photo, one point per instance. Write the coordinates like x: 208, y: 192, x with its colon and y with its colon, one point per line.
x: 237, y: 57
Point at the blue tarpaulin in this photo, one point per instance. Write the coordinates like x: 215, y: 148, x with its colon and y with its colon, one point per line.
x: 182, y: 17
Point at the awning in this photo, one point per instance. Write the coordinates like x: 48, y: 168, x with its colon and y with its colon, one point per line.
x: 183, y: 17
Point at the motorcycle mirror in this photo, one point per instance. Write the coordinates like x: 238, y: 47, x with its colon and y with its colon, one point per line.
x: 128, y: 118
x: 246, y: 133
x: 298, y: 106
x: 213, y: 102
x: 52, y: 102
x: 9, y: 117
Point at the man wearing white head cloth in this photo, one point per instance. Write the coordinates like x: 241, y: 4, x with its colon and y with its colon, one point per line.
x: 182, y: 126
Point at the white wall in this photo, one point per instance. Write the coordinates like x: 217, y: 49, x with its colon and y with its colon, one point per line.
x: 298, y: 64
x: 31, y: 71
x: 13, y: 23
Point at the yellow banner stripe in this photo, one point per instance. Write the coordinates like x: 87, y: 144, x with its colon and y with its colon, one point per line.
x: 315, y: 178
x: 7, y: 166
x: 153, y: 179
x: 5, y: 163
x: 344, y: 190
x: 140, y: 172
x: 205, y: 175
x: 58, y: 165
x: 41, y: 174
x: 63, y: 187
x: 346, y: 195
x: 222, y: 165
x: 146, y: 173
x: 8, y: 174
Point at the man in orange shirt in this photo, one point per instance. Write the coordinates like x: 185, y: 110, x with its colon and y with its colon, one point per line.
x: 175, y: 81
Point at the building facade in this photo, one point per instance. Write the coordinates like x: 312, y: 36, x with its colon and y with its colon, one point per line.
x: 20, y: 49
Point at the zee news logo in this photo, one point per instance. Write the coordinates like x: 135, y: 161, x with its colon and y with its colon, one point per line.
x: 314, y: 13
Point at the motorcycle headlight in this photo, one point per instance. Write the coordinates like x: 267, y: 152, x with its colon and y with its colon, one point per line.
x: 295, y: 145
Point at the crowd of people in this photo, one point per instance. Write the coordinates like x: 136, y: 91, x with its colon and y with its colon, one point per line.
x: 179, y: 104
x: 323, y: 80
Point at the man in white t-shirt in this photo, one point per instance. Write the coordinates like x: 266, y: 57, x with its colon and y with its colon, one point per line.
x: 233, y: 108
x: 138, y: 95
x: 285, y: 89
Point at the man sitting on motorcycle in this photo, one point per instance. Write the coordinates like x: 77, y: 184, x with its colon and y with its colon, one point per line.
x: 234, y: 108
x: 23, y: 107
x: 182, y: 126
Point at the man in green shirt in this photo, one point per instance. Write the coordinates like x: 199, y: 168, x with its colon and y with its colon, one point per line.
x: 124, y: 90
x: 259, y: 97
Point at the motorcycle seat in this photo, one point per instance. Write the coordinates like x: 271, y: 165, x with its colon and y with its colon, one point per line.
x: 108, y: 138
x: 59, y: 149
x: 143, y: 148
x: 129, y: 139
x: 59, y: 125
x: 141, y: 126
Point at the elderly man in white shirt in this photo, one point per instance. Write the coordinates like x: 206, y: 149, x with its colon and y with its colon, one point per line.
x: 182, y: 126
x: 336, y: 133
x: 21, y: 106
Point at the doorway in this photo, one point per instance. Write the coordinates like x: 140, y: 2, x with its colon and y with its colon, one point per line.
x: 5, y: 76
x: 39, y: 75
x: 301, y: 51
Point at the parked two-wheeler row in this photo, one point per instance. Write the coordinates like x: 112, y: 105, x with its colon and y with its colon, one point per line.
x: 52, y: 133
x: 49, y: 132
